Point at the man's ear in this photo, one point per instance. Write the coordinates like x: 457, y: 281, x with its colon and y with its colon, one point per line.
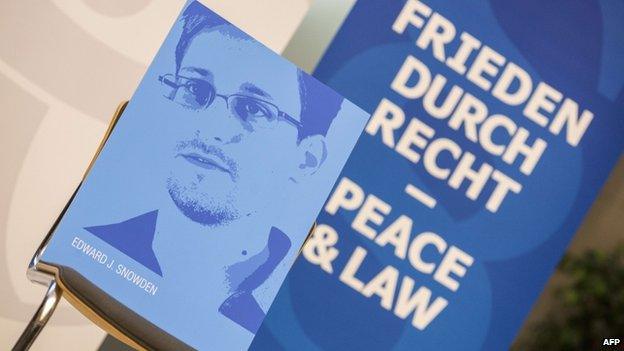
x: 312, y: 154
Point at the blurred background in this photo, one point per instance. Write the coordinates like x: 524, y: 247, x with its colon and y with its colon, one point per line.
x: 66, y: 64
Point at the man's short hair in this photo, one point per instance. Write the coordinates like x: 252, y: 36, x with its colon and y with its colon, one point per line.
x: 319, y: 104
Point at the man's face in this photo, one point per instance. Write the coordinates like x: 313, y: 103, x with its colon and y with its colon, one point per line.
x: 225, y: 167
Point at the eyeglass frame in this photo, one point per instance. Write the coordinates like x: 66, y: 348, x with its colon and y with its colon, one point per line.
x: 172, y: 83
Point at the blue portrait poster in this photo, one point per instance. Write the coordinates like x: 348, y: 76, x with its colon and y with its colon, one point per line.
x: 208, y: 185
x: 493, y: 126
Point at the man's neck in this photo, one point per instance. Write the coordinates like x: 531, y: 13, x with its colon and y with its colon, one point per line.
x: 184, y: 247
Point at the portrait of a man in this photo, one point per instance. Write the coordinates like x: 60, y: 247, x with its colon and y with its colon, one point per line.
x: 248, y: 128
x: 206, y: 188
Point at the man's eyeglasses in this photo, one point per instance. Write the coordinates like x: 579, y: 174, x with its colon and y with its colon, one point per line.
x: 198, y: 94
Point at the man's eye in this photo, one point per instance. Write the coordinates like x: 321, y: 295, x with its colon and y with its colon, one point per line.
x: 199, y: 92
x: 249, y: 108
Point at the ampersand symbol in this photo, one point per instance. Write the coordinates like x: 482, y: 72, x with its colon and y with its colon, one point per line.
x: 319, y: 248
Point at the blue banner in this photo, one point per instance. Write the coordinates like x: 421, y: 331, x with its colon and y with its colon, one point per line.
x: 494, y: 125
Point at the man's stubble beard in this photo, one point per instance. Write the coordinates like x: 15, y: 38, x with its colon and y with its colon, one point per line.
x: 199, y: 206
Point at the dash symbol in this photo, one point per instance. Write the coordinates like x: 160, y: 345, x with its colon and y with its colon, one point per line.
x: 420, y: 195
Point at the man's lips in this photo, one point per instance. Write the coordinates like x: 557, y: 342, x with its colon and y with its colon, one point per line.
x: 205, y: 161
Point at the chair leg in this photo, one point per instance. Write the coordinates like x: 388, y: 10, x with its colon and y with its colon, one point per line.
x: 41, y: 317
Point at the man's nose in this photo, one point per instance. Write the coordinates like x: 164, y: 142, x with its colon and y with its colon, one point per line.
x: 221, y: 123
